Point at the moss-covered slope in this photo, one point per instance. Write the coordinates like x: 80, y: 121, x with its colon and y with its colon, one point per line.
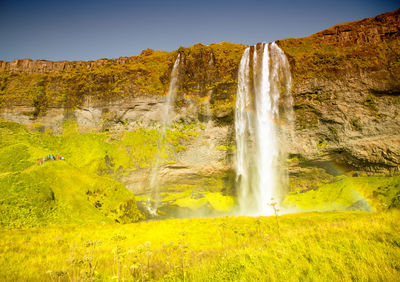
x: 371, y: 193
x: 70, y: 191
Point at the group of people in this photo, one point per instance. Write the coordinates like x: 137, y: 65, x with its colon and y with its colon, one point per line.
x: 50, y: 158
x: 357, y: 174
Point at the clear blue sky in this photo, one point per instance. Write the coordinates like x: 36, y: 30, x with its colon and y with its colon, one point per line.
x: 93, y: 29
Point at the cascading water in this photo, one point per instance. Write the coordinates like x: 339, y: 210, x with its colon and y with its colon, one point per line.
x: 263, y: 113
x: 167, y: 117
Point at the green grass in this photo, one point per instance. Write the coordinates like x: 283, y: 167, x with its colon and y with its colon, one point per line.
x: 215, y: 200
x: 313, y: 247
x: 71, y: 191
x: 309, y: 178
x: 365, y: 193
x: 58, y: 193
x: 194, y: 200
x: 191, y: 203
x: 375, y: 193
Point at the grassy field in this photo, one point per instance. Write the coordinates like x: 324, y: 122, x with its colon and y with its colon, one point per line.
x: 330, y: 246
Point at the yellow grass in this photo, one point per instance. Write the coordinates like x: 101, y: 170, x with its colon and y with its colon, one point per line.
x: 311, y: 246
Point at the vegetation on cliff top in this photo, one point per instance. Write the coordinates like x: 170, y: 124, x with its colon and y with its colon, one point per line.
x: 206, y: 68
x: 369, y: 45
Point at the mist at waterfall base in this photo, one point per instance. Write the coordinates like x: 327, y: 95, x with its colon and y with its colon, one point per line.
x: 263, y: 101
x: 263, y: 127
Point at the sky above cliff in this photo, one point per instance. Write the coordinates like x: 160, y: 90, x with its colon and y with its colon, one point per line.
x: 93, y: 29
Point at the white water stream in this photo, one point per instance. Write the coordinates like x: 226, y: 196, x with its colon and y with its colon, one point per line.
x: 167, y: 117
x: 263, y: 116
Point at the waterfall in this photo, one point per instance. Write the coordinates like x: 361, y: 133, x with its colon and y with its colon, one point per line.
x: 173, y: 85
x: 263, y: 118
x: 167, y: 118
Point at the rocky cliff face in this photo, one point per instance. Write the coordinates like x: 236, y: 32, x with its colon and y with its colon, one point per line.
x: 347, y: 93
x: 346, y: 90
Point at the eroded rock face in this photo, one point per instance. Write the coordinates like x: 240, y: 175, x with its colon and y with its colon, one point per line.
x: 202, y: 166
x: 43, y: 66
x: 343, y: 117
x: 92, y: 117
x: 347, y: 99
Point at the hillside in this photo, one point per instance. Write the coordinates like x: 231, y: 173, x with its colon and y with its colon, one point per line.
x: 56, y: 191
